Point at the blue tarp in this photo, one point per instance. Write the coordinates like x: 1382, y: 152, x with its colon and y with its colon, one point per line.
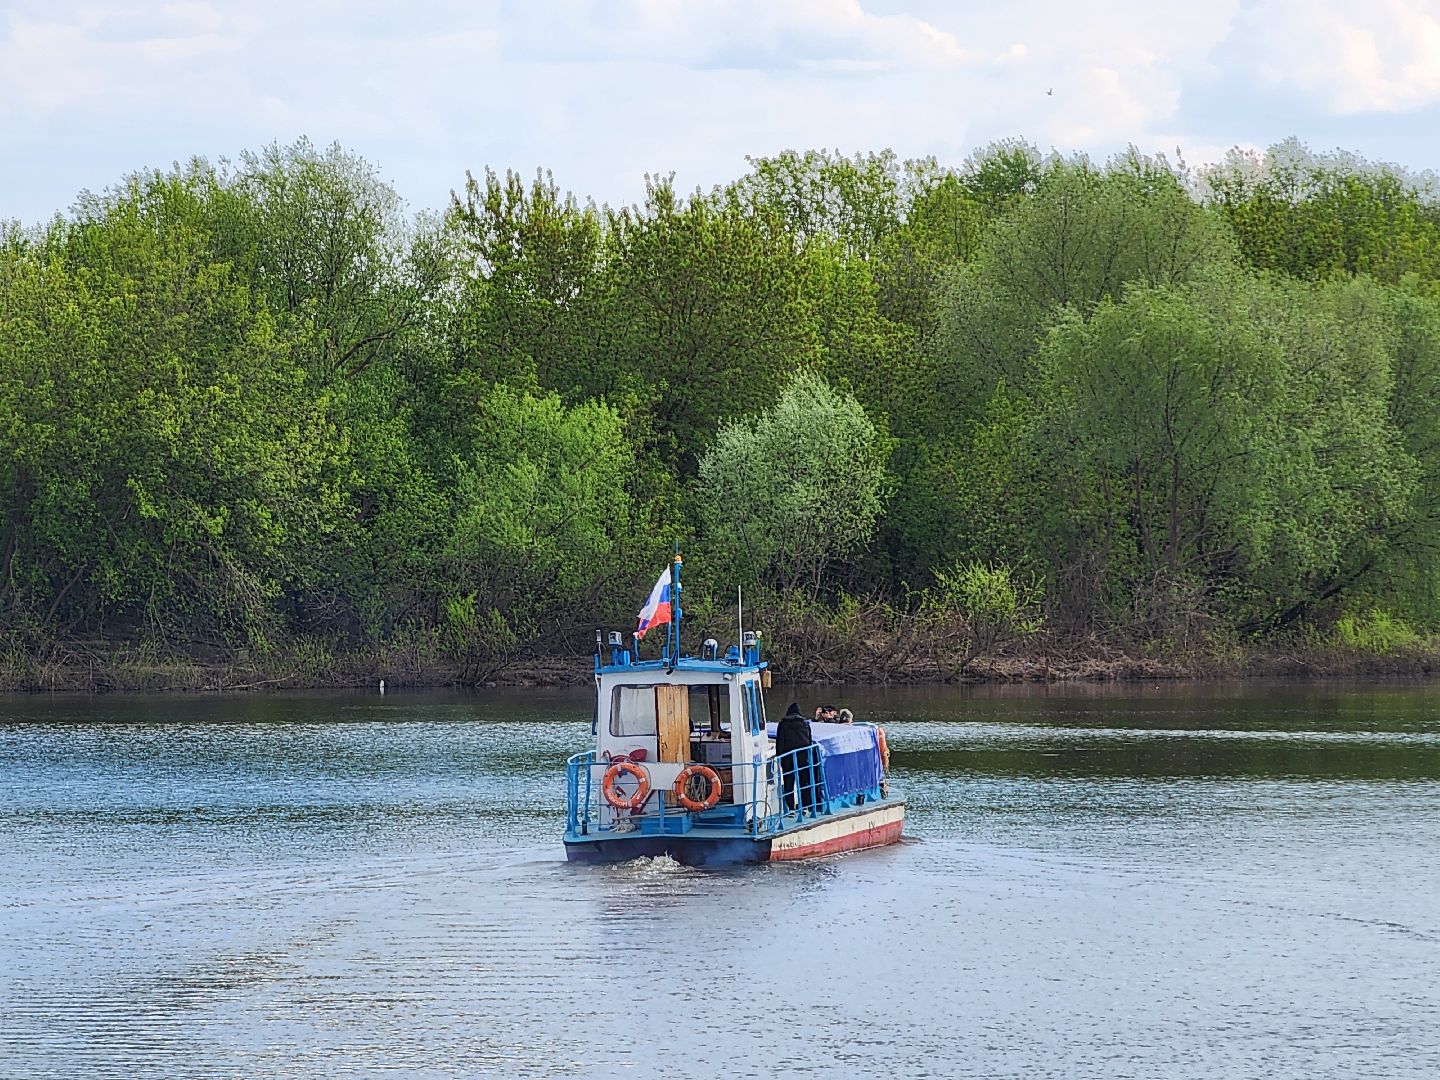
x: 850, y: 754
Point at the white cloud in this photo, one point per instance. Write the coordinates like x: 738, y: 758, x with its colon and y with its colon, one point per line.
x: 603, y: 91
x: 1105, y: 105
x: 102, y: 59
x: 938, y: 81
x: 816, y: 36
x: 1381, y: 56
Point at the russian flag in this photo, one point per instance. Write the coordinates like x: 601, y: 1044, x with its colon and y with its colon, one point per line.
x: 657, y: 608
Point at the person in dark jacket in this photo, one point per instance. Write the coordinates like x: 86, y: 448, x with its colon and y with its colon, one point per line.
x: 798, y: 777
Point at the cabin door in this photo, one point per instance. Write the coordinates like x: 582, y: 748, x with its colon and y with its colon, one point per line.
x: 672, y: 715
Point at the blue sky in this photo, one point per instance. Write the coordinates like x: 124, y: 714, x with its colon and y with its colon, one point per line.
x: 604, y: 92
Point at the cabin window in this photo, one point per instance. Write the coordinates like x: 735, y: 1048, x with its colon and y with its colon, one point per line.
x: 754, y: 705
x: 632, y: 711
x: 709, y: 708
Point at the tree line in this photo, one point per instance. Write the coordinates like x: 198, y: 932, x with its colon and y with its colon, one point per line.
x: 254, y: 404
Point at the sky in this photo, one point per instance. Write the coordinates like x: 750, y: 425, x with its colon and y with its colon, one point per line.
x: 604, y: 92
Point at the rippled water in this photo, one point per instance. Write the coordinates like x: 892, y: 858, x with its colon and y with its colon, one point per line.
x: 1178, y: 882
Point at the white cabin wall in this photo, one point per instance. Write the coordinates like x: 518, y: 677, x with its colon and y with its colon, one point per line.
x: 747, y: 751
x: 750, y: 752
x: 604, y: 741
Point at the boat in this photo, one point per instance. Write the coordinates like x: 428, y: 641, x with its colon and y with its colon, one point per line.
x: 684, y: 763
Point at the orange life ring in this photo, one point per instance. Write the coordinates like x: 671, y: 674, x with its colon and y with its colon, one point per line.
x: 682, y: 783
x: 884, y: 748
x: 617, y: 798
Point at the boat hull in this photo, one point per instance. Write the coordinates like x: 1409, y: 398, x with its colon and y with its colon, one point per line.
x: 865, y: 827
x: 872, y: 825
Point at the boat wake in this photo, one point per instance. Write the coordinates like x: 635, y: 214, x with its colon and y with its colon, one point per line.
x: 652, y: 866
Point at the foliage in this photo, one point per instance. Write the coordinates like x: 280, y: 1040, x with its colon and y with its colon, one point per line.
x: 166, y: 462
x: 1377, y: 631
x: 1227, y: 444
x: 1083, y: 237
x: 1314, y: 216
x: 531, y: 257
x: 252, y: 406
x: 704, y: 303
x: 783, y: 497
x: 997, y: 605
x: 543, y: 519
x: 818, y: 195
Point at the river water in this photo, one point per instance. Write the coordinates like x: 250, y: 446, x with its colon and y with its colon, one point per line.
x: 1224, y: 881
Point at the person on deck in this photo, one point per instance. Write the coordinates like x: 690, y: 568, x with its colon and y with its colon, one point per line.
x: 826, y: 714
x: 798, y: 777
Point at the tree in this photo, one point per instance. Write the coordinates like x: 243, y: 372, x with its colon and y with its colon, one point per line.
x: 544, y: 520
x: 704, y: 311
x: 817, y: 195
x: 174, y: 466
x: 1311, y: 215
x: 324, y: 241
x: 1221, y: 448
x: 1084, y: 236
x: 1406, y: 573
x: 944, y: 225
x: 782, y: 497
x: 531, y: 258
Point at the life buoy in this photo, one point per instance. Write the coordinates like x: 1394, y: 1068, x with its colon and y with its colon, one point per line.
x: 682, y: 787
x: 884, y: 748
x: 609, y: 786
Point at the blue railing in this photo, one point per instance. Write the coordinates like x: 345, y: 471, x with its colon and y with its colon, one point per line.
x: 577, y: 807
x: 801, y: 790
x: 782, y: 791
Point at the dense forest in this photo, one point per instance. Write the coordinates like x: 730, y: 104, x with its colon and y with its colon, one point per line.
x: 925, y: 415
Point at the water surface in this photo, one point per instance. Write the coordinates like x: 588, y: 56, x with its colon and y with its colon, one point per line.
x: 1227, y: 881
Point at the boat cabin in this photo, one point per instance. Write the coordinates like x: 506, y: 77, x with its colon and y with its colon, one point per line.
x: 670, y: 715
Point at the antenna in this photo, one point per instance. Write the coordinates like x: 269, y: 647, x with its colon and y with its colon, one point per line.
x: 740, y: 618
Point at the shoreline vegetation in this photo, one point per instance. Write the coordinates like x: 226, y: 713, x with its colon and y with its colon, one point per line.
x: 95, y: 667
x: 1021, y: 417
x: 124, y: 673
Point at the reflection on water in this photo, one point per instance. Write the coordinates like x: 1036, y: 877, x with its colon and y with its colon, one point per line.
x: 1223, y: 881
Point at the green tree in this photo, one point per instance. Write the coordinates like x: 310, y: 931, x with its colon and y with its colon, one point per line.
x: 1081, y: 238
x: 532, y: 259
x: 704, y: 312
x: 326, y: 245
x: 816, y: 195
x: 356, y: 287
x: 1220, y: 449
x: 781, y: 498
x: 1068, y: 237
x: 944, y: 225
x: 1406, y: 571
x: 1004, y: 174
x: 1311, y: 215
x: 174, y: 465
x: 545, y: 524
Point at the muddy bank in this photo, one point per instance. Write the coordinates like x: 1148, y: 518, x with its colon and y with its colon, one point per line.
x: 101, y: 668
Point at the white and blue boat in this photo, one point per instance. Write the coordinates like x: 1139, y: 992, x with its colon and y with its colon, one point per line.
x: 684, y: 765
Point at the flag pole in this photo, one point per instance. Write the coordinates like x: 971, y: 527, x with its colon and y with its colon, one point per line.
x: 675, y: 602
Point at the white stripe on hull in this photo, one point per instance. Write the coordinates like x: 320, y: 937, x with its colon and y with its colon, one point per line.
x: 848, y: 833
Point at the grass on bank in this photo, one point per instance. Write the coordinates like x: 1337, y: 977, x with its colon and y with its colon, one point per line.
x: 988, y: 630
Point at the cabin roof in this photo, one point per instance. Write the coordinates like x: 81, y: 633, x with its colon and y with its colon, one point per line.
x: 687, y: 664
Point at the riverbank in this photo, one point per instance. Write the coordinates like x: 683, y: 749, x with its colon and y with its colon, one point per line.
x: 94, y: 667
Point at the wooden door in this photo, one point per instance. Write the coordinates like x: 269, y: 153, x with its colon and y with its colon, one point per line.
x: 672, y: 715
